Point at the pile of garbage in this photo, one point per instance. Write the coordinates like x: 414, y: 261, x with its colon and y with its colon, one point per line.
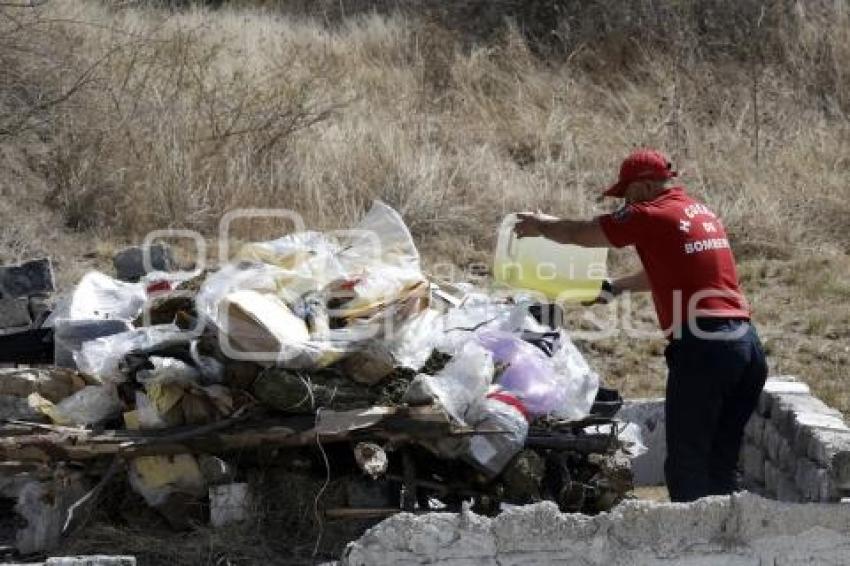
x: 305, y: 341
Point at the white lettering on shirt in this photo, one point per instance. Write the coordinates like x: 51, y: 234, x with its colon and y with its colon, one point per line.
x: 698, y: 246
x: 696, y: 209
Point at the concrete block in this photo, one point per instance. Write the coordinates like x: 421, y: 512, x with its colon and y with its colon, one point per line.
x: 755, y: 428
x: 752, y: 462
x: 29, y: 278
x: 130, y: 262
x: 776, y: 447
x: 786, y: 490
x: 812, y: 481
x: 14, y: 312
x: 791, y: 411
x: 648, y: 414
x: 780, y: 385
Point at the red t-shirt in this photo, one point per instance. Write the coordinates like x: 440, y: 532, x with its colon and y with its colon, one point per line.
x: 686, y: 255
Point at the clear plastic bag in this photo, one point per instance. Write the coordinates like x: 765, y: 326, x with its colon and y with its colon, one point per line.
x: 459, y: 387
x: 376, y: 265
x: 168, y: 370
x: 90, y: 405
x: 381, y: 237
x: 413, y: 342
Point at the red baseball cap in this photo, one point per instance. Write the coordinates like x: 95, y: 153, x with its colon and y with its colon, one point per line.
x: 642, y: 165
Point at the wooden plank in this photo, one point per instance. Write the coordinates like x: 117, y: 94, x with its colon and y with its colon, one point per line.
x: 65, y: 443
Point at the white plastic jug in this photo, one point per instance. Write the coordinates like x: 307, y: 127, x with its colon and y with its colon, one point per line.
x: 561, y: 272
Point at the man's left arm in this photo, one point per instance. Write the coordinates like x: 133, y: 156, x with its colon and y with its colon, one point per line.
x: 587, y: 233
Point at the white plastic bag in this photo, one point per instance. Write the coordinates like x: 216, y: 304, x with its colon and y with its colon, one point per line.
x: 580, y: 383
x: 100, y: 358
x: 492, y: 451
x: 478, y: 313
x: 632, y: 440
x: 459, y: 387
x: 98, y: 296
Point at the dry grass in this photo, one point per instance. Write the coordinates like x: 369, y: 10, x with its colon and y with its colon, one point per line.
x: 117, y: 121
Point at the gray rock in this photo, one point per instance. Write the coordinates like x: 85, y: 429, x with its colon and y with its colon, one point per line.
x: 29, y: 278
x: 130, y: 262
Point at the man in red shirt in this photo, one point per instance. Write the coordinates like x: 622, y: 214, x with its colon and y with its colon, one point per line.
x: 716, y: 363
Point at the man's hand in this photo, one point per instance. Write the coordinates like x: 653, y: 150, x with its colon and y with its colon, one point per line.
x: 529, y: 225
x: 606, y: 294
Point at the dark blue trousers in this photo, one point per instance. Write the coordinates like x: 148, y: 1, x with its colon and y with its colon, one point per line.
x: 713, y: 386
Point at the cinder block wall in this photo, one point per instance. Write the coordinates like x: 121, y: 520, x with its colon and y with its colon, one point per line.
x: 795, y: 447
